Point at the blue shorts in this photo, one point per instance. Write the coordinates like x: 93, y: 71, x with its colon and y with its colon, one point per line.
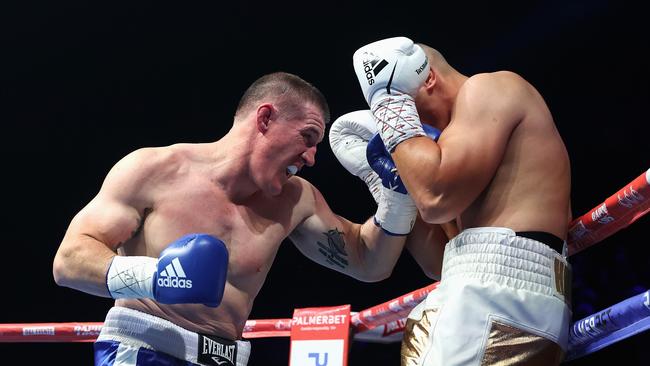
x: 133, y: 338
x: 112, y: 353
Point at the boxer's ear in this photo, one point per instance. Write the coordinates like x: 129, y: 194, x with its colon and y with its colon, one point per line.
x: 265, y: 113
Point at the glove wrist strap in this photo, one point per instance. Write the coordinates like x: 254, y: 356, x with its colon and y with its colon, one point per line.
x: 131, y: 277
x: 397, y: 118
x: 396, y: 212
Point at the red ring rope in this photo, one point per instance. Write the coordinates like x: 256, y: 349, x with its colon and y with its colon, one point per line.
x: 615, y: 213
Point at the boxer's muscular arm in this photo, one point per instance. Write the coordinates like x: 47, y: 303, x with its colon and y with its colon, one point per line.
x: 426, y: 243
x: 364, y: 251
x: 108, y: 220
x: 444, y: 178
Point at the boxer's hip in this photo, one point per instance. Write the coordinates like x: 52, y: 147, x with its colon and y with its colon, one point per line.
x: 141, y: 330
x: 499, y: 255
x: 501, y: 297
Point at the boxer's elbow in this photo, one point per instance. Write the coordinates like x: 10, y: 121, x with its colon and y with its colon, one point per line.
x: 59, y: 272
x: 435, y: 209
x: 432, y: 274
x: 63, y: 266
x: 60, y: 269
x: 434, y: 215
x: 373, y: 271
x: 377, y: 264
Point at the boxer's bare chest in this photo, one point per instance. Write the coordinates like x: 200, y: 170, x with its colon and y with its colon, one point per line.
x: 252, y: 231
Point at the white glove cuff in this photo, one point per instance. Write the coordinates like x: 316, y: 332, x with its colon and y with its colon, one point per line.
x: 397, y: 118
x: 131, y: 277
x: 396, y: 212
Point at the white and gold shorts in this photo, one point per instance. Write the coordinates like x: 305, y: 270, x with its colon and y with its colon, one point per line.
x: 502, y: 300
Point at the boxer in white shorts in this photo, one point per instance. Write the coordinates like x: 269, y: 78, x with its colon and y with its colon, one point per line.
x: 493, y: 304
x: 500, y: 170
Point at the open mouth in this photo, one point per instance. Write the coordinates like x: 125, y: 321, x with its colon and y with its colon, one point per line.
x: 292, y: 170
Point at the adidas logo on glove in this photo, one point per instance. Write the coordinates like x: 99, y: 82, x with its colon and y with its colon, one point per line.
x: 174, y: 276
x: 372, y: 65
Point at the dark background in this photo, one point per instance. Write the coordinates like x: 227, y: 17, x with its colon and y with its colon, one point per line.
x: 84, y: 83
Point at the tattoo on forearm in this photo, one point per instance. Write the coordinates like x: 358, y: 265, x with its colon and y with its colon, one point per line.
x: 334, y: 250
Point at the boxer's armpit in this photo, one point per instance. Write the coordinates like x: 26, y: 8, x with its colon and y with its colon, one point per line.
x: 138, y: 228
x: 137, y: 231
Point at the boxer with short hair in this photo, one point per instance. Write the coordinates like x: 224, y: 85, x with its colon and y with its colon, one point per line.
x: 183, y: 236
x: 500, y: 168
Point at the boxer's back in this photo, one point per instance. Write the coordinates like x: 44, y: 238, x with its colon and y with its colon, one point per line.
x: 531, y: 186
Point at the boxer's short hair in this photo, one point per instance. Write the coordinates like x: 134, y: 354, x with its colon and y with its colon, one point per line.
x: 288, y: 90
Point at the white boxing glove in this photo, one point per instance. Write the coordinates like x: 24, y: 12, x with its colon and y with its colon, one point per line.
x: 349, y: 136
x: 390, y: 72
x: 390, y: 65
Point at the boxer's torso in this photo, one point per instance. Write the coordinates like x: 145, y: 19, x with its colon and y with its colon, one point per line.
x: 185, y: 199
x: 531, y: 186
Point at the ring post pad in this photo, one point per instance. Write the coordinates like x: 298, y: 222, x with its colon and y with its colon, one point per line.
x: 320, y: 336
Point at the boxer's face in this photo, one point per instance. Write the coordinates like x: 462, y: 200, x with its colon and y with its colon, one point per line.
x: 290, y: 144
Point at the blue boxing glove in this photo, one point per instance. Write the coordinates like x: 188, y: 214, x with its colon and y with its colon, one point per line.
x: 191, y: 270
x: 396, y: 211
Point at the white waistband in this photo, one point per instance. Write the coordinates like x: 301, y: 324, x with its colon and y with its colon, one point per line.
x: 498, y: 254
x: 145, y: 330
